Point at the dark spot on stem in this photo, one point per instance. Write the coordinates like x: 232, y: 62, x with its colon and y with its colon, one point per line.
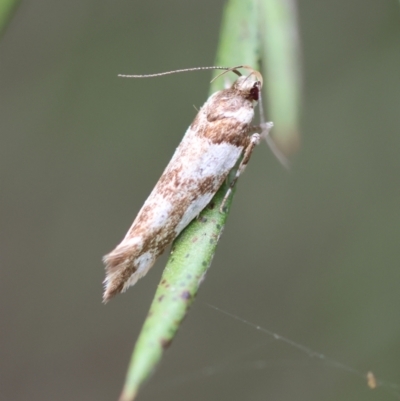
x: 165, y: 343
x: 185, y: 295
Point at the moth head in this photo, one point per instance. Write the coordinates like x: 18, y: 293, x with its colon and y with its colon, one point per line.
x: 248, y: 87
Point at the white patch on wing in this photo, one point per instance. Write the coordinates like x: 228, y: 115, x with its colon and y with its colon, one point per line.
x: 202, y: 158
x: 133, y: 241
x: 193, y: 210
x: 161, y: 211
x: 143, y: 263
x: 214, y: 163
x: 243, y: 115
x: 143, y: 260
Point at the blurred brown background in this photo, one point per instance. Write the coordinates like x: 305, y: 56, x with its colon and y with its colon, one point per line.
x: 313, y: 254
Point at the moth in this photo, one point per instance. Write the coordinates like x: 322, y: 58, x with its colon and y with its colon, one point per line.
x: 220, y: 135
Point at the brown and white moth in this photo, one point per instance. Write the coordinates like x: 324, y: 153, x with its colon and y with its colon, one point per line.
x: 219, y: 136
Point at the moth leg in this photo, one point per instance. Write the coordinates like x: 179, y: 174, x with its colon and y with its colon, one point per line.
x: 254, y: 141
x: 264, y: 129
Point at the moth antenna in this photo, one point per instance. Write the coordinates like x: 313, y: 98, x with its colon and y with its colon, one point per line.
x: 254, y: 72
x: 159, y: 74
x: 233, y: 69
x: 226, y: 69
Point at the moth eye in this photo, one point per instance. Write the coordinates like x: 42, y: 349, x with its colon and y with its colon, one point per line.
x: 254, y: 92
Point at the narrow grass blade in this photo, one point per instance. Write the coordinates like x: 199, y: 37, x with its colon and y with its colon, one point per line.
x: 282, y: 70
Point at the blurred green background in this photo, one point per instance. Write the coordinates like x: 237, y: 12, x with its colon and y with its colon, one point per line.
x: 313, y: 254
